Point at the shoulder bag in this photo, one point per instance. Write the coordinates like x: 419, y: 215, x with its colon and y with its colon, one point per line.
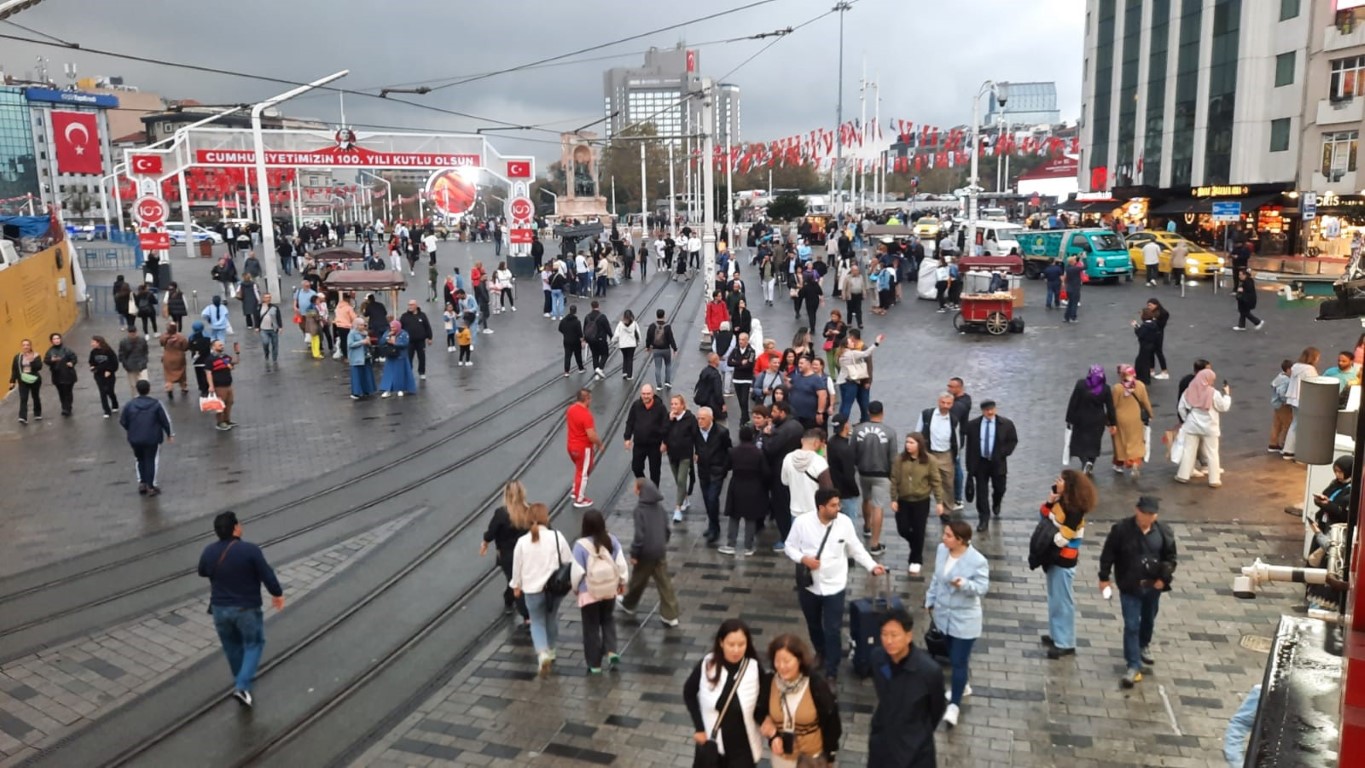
x: 804, y: 577
x: 708, y: 755
x: 214, y: 572
x: 561, y: 581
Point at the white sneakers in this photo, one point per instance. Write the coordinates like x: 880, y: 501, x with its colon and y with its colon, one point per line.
x: 966, y: 691
x: 914, y: 569
x: 1163, y: 375
x: 950, y: 716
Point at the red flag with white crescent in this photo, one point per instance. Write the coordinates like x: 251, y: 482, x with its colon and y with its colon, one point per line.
x: 77, y: 140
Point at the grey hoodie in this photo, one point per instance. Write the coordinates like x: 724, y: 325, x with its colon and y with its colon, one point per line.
x: 651, y: 525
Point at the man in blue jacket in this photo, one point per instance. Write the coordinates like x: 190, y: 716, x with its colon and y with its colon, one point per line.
x: 237, y: 570
x: 145, y: 420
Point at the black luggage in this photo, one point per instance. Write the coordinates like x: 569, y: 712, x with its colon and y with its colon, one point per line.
x: 865, y: 617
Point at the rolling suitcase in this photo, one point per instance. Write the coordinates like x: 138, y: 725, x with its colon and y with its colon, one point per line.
x: 865, y: 624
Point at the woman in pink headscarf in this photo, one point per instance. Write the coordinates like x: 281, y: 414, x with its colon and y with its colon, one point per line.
x: 1199, y: 408
x: 397, y: 376
x: 1132, y: 414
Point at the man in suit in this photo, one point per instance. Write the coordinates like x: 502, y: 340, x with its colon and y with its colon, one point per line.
x: 712, y: 451
x: 990, y: 441
x: 942, y: 429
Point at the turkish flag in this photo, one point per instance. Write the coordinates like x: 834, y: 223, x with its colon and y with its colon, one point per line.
x: 518, y: 169
x: 76, y: 135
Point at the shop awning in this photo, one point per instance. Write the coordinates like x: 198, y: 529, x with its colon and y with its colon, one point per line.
x: 1089, y: 206
x: 1205, y: 204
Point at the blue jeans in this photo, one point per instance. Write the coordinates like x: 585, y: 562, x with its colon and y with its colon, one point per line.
x: 959, y: 653
x: 663, y: 366
x: 556, y: 303
x: 825, y: 623
x: 217, y: 334
x: 270, y: 345
x: 584, y: 283
x: 850, y: 392
x: 242, y: 633
x: 1073, y: 300
x: 1061, y: 606
x: 850, y: 509
x: 1054, y: 295
x: 1139, y: 619
x: 959, y: 476
x: 544, y: 610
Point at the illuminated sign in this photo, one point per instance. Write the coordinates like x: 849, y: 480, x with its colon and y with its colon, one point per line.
x: 1233, y: 190
x: 53, y: 96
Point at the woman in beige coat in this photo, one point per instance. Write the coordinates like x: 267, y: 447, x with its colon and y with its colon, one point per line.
x: 1132, y: 413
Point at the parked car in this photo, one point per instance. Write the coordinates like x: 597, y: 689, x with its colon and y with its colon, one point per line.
x: 176, y: 230
x: 1200, y: 262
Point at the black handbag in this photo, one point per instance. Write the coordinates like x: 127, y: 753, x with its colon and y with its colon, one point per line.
x: 708, y: 755
x: 804, y: 578
x: 560, y: 582
x: 969, y: 489
x: 936, y: 641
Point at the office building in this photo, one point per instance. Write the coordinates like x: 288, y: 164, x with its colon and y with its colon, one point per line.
x: 727, y: 114
x: 29, y: 149
x: 1028, y: 104
x: 656, y: 92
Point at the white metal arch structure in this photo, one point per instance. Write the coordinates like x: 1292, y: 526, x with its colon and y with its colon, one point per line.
x: 206, y: 146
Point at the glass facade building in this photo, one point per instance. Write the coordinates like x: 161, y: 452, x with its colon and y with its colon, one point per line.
x: 1104, y: 85
x: 1128, y: 81
x: 18, y: 162
x: 1186, y: 92
x: 1156, y: 93
x: 1227, y: 16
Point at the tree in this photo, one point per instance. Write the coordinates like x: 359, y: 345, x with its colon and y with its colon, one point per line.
x: 786, y: 207
x: 621, y: 161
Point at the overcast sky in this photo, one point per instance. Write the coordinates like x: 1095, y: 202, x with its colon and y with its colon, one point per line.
x: 930, y: 56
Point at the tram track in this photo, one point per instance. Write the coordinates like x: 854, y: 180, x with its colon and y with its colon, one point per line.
x: 346, y: 633
x: 54, y: 610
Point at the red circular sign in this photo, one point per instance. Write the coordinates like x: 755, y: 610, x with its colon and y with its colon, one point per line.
x: 452, y: 193
x: 521, y: 209
x: 150, y: 210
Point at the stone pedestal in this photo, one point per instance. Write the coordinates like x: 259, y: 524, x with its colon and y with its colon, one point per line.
x: 579, y: 160
x: 581, y: 208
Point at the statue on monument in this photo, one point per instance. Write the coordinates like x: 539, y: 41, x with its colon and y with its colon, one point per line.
x: 582, y: 180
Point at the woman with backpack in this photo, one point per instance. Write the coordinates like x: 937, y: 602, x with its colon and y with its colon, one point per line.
x: 536, y: 558
x: 146, y: 303
x: 600, y: 571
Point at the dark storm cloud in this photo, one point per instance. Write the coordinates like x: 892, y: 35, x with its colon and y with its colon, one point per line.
x: 930, y: 57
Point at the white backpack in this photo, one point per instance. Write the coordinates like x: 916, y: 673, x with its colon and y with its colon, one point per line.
x: 601, y: 575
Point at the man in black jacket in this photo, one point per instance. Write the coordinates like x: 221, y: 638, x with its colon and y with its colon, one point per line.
x: 990, y: 441
x: 646, y: 426
x: 415, y: 322
x: 843, y: 466
x: 910, y: 701
x: 571, y: 329
x: 710, y: 392
x: 61, y: 365
x: 597, y: 332
x: 145, y: 420
x: 783, y: 436
x: 1141, y: 553
x: 712, y: 451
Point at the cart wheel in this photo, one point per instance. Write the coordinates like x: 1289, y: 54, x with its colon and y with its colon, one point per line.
x: 997, y: 323
x: 958, y: 323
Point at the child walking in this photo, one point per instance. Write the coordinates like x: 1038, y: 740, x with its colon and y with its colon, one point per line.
x: 448, y: 320
x: 466, y: 340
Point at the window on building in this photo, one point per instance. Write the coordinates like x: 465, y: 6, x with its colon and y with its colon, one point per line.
x: 1279, y: 135
x: 1339, y: 154
x: 1284, y: 69
x: 1348, y: 78
x: 1289, y: 9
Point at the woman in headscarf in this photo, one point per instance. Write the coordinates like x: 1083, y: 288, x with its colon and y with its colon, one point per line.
x: 1199, y: 409
x: 397, y: 376
x: 174, y: 345
x: 1089, y: 413
x: 216, y: 315
x: 1132, y: 414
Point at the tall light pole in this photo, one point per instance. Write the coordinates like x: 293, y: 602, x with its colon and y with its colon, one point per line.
x: 841, y: 8
x: 1000, y: 91
x: 388, y: 192
x: 272, y: 273
x: 644, y: 194
x: 708, y: 186
x: 672, y: 198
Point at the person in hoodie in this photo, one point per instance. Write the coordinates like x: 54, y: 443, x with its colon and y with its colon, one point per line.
x: 104, y: 366
x: 649, y: 555
x: 805, y: 471
x: 61, y: 364
x: 200, y: 348
x: 174, y: 345
x: 597, y: 334
x: 145, y: 420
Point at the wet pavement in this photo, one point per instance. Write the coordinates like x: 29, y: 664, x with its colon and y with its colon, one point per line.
x: 297, y: 425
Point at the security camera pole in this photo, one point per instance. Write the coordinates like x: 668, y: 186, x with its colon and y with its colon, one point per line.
x: 1001, y: 93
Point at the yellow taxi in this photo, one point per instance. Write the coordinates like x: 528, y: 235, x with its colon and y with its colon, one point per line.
x: 1200, y: 261
x: 927, y: 227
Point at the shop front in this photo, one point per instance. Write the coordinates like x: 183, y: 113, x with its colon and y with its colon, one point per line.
x: 1268, y: 217
x: 1339, y: 228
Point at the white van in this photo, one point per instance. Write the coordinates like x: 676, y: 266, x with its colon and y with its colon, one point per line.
x: 996, y: 238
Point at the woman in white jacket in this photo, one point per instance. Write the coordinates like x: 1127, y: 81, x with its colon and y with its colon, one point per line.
x: 535, y: 558
x: 599, y: 573
x: 1200, y: 407
x: 731, y: 664
x: 627, y: 338
x: 1305, y: 368
x: 502, y: 282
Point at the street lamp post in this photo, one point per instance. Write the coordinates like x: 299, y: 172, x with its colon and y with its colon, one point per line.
x: 672, y: 198
x: 841, y: 8
x: 272, y: 274
x: 1001, y: 93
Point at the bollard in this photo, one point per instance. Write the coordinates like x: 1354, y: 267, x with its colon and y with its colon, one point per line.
x: 194, y: 301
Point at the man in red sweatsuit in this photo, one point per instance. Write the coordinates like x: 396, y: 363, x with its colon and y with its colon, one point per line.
x: 584, y: 445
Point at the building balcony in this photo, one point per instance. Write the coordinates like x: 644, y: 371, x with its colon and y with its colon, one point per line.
x: 1345, y: 111
x: 1333, y: 39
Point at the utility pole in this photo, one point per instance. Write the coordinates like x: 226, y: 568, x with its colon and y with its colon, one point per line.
x: 708, y: 183
x: 672, y: 197
x: 644, y: 195
x: 840, y: 8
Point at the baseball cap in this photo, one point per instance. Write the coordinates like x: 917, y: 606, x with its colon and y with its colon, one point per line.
x: 1149, y: 504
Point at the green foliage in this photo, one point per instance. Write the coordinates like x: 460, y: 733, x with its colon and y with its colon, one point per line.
x: 786, y: 207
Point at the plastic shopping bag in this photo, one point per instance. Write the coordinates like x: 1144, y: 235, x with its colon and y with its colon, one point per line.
x: 1066, y: 448
x: 1147, y: 443
x: 1178, y: 447
x: 210, y: 404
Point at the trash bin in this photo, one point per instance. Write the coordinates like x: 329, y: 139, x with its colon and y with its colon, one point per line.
x: 163, y: 274
x: 521, y: 266
x: 206, y: 249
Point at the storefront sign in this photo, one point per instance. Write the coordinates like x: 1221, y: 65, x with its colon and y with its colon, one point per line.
x: 1227, y: 211
x: 1094, y: 197
x: 1234, y: 190
x: 1308, y: 204
x: 54, y: 96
